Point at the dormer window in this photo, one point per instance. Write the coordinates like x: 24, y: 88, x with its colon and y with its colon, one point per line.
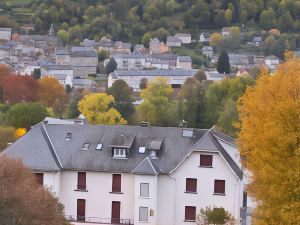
x: 99, y: 146
x: 142, y: 150
x: 119, y: 153
x: 68, y: 137
x: 85, y: 146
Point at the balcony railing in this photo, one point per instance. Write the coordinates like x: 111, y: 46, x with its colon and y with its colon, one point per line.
x: 99, y: 220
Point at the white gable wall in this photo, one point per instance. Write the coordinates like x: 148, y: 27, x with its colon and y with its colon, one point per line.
x: 205, y: 187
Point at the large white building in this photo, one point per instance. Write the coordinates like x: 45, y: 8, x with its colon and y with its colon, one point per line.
x: 133, y: 77
x: 134, y: 174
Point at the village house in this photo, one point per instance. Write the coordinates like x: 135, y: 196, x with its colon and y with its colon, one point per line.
x: 63, y: 73
x: 122, y: 47
x: 272, y: 61
x: 184, y: 62
x: 62, y: 56
x: 5, y: 33
x: 156, y: 46
x: 208, y: 51
x: 5, y: 52
x: 173, y: 41
x: 84, y: 63
x: 133, y: 77
x: 226, y: 31
x: 140, y: 49
x: 82, y: 83
x: 256, y: 41
x: 184, y: 37
x: 118, y: 174
x: 105, y: 44
x: 204, y: 37
x: 136, y: 61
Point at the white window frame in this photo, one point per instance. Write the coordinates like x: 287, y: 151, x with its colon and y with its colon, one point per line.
x: 120, y: 153
x: 141, y: 192
x: 143, y: 219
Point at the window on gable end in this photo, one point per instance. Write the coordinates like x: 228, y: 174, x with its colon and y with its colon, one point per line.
x: 99, y: 146
x: 68, y: 137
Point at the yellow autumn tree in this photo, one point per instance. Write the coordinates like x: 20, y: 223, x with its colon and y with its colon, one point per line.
x: 269, y: 143
x: 97, y: 108
x: 157, y: 107
x: 20, y: 132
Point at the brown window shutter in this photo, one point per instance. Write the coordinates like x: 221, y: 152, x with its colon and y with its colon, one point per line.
x: 81, y: 183
x: 219, y: 187
x: 206, y: 160
x: 190, y: 213
x: 39, y: 178
x: 116, y: 183
x: 191, y: 185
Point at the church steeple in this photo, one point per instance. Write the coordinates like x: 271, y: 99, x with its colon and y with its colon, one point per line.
x: 51, y: 30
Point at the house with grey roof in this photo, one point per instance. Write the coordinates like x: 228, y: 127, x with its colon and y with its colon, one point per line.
x: 5, y: 33
x: 5, y: 51
x: 118, y: 174
x: 84, y: 62
x: 272, y: 61
x: 173, y: 41
x: 184, y: 62
x: 176, y: 77
x: 63, y: 73
x: 185, y: 38
x: 204, y: 37
x: 208, y: 51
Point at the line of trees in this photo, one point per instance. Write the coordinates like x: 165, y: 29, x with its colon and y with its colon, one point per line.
x: 131, y: 19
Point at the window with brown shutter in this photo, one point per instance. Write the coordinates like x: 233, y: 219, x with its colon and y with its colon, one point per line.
x: 190, y: 213
x: 81, y: 182
x: 191, y: 185
x: 116, y: 183
x: 206, y: 160
x: 219, y: 187
x: 39, y: 178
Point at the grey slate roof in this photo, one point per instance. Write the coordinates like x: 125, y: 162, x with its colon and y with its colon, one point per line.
x: 57, y: 67
x: 173, y: 39
x: 147, y: 166
x: 44, y: 148
x: 62, y: 51
x: 162, y: 73
x: 184, y: 59
x: 84, y: 54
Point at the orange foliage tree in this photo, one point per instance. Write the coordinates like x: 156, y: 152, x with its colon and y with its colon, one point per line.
x: 52, y: 94
x: 269, y: 142
x: 20, y: 89
x: 23, y: 200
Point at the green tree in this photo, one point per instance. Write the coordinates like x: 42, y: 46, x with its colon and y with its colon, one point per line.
x: 228, y: 16
x: 161, y: 34
x: 157, y: 107
x: 216, y: 41
x: 220, y: 98
x: 25, y: 115
x: 36, y: 74
x: 223, y: 65
x: 122, y: 94
x: 111, y: 66
x: 7, y: 135
x: 192, y: 103
x: 146, y: 39
x: 102, y: 55
x: 220, y: 19
x: 267, y: 19
x: 96, y: 108
x: 170, y: 6
x: 286, y: 22
x: 64, y: 36
x: 214, y: 215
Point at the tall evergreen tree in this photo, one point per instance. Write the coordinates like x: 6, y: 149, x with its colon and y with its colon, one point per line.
x: 223, y: 63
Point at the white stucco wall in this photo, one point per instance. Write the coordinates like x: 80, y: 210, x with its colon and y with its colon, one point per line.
x: 52, y: 182
x: 150, y: 202
x: 98, y: 197
x: 232, y: 199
